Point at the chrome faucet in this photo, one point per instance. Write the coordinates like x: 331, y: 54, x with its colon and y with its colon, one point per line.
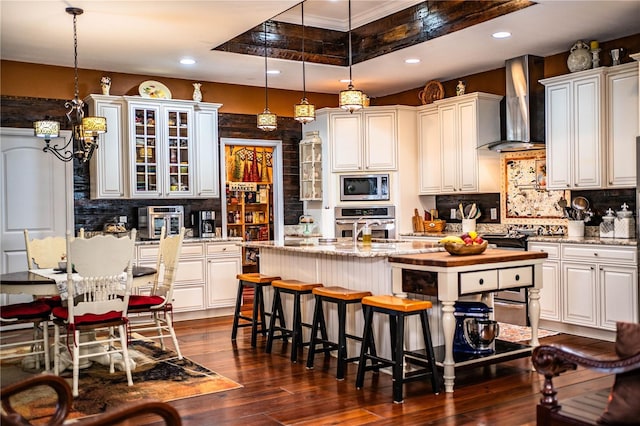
x: 357, y: 231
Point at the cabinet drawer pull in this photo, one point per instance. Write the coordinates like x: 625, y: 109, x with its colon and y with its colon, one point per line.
x: 481, y: 281
x: 224, y: 249
x: 595, y: 254
x: 517, y: 277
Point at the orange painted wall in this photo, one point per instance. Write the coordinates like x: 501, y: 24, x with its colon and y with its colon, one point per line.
x: 54, y: 82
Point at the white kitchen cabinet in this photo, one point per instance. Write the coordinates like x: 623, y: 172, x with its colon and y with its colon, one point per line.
x: 429, y: 149
x: 622, y: 124
x: 108, y: 167
x: 463, y: 123
x: 190, y: 284
x: 224, y: 263
x: 618, y: 295
x: 311, y: 167
x: 580, y: 294
x: 206, y: 164
x: 365, y: 141
x: 600, y: 285
x: 550, y: 294
x: 575, y: 124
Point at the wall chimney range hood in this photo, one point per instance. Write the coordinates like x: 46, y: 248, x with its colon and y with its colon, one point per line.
x: 524, y: 105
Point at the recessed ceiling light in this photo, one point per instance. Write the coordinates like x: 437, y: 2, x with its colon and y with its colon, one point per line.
x: 412, y: 61
x: 501, y: 34
x: 187, y: 61
x: 273, y: 72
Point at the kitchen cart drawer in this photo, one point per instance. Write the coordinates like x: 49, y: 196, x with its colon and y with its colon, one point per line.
x: 475, y: 282
x: 515, y: 277
x: 553, y: 250
x: 214, y: 249
x: 599, y: 253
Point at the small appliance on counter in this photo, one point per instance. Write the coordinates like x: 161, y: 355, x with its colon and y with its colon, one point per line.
x: 475, y: 331
x: 151, y: 220
x: 624, y: 225
x: 204, y: 223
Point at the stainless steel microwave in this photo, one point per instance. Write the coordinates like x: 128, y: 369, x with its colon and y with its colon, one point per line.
x: 364, y: 187
x: 152, y: 219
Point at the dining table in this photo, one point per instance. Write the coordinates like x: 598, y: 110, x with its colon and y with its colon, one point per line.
x: 29, y: 282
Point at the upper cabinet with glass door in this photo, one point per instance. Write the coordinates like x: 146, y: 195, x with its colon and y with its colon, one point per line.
x: 162, y: 150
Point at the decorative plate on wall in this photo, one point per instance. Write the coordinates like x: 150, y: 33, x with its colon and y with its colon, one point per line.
x: 433, y: 91
x: 154, y: 89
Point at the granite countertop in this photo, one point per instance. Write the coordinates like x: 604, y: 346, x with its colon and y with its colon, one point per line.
x: 345, y: 247
x: 583, y: 240
x: 195, y: 240
x: 545, y: 238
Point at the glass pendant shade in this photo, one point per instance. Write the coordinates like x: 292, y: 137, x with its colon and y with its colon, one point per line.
x: 46, y: 129
x: 304, y: 112
x: 94, y: 125
x: 351, y: 99
x: 267, y: 121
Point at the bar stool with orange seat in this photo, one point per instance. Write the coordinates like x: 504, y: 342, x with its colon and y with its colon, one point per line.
x: 257, y: 282
x: 341, y: 297
x: 398, y: 309
x: 297, y: 289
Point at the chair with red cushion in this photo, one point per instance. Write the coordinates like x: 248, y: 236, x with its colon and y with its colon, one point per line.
x: 154, y: 311
x: 97, y: 301
x: 38, y: 314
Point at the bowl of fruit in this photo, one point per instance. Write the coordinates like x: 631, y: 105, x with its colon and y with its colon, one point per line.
x: 464, y: 245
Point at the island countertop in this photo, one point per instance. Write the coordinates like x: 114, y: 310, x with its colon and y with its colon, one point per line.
x: 446, y: 260
x: 345, y: 247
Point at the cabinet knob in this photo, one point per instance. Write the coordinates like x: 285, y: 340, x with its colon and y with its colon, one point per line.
x: 595, y: 254
x: 567, y: 185
x: 224, y: 249
x: 517, y: 277
x: 592, y: 268
x: 481, y: 281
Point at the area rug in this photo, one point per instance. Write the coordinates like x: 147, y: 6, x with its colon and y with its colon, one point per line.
x: 516, y: 333
x: 159, y: 374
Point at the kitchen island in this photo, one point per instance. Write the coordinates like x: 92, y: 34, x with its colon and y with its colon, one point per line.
x: 380, y: 269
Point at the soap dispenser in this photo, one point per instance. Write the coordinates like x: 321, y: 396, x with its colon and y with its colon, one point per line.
x: 607, y: 226
x: 624, y: 223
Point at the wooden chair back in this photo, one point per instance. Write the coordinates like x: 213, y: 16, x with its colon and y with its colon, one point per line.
x: 167, y: 264
x: 100, y: 262
x: 45, y: 252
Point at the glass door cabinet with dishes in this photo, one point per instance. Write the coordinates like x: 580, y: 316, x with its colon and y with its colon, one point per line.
x: 249, y: 196
x: 163, y: 150
x: 155, y: 148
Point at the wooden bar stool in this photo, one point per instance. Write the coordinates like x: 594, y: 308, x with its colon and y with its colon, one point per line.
x: 255, y: 281
x: 397, y: 309
x: 341, y: 297
x: 297, y: 289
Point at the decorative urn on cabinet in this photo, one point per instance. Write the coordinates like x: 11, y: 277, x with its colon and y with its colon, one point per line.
x: 580, y: 57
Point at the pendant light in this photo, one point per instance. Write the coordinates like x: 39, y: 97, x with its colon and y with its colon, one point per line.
x: 267, y: 121
x: 304, y: 112
x: 351, y: 99
x: 83, y: 141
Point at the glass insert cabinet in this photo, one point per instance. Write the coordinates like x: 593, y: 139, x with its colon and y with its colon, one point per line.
x: 164, y: 146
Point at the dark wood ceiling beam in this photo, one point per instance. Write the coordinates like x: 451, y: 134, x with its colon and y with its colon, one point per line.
x: 416, y: 24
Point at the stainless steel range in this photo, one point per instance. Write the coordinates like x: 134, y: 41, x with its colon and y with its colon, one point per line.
x: 510, y: 306
x: 383, y: 216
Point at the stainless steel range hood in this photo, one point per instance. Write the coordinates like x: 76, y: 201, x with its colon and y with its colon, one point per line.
x: 524, y: 104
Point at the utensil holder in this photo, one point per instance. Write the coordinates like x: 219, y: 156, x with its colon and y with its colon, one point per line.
x: 468, y: 225
x: 575, y: 228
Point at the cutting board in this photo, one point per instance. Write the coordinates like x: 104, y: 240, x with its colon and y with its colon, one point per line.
x: 417, y: 221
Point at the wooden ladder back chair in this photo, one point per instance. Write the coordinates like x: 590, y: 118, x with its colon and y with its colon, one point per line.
x: 98, y: 296
x: 154, y: 312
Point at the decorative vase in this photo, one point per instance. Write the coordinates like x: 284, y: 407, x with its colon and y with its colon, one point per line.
x: 105, y: 84
x: 580, y: 57
x: 197, y: 94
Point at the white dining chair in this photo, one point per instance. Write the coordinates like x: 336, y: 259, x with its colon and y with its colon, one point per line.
x: 153, y: 312
x: 98, y: 296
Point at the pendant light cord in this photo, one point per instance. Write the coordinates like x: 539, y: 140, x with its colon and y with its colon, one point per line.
x: 350, y: 60
x: 266, y: 74
x: 304, y: 79
x: 75, y: 55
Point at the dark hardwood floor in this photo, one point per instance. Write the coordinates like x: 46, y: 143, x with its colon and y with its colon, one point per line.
x: 276, y: 392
